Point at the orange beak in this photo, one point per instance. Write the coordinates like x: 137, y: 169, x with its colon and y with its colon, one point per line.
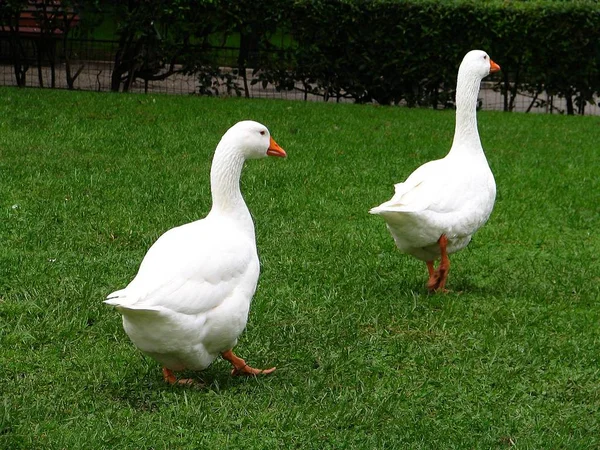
x: 494, y: 67
x: 275, y: 149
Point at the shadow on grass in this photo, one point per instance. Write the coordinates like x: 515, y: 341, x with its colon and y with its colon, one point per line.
x: 146, y: 392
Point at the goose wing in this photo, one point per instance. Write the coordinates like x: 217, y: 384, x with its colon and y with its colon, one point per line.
x: 191, y: 269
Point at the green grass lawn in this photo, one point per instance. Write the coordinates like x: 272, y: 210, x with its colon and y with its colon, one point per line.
x: 366, y: 358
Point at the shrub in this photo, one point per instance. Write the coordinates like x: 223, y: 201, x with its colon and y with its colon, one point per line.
x: 385, y: 51
x: 390, y: 51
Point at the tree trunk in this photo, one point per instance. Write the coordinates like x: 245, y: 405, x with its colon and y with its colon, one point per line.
x: 243, y: 56
x: 570, y: 109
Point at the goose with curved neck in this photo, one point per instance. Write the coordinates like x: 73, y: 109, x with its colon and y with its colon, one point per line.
x: 466, y: 135
x: 190, y: 300
x: 225, y: 174
x: 441, y: 204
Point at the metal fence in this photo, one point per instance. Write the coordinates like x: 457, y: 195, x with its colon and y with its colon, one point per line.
x: 83, y: 64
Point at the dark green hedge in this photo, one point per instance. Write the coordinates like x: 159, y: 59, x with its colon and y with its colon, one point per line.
x: 387, y: 51
x: 391, y: 51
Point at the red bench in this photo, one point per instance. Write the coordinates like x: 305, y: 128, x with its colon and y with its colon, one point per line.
x: 43, y: 17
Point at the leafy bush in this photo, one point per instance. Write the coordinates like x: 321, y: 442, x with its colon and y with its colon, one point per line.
x: 391, y: 51
x: 385, y: 51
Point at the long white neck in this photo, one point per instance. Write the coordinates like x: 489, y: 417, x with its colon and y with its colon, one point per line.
x: 225, y: 175
x: 466, y: 135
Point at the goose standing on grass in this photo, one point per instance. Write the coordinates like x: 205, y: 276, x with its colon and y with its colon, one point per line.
x: 441, y: 204
x: 189, y: 301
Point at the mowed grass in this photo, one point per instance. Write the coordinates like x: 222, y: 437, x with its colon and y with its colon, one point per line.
x: 366, y: 358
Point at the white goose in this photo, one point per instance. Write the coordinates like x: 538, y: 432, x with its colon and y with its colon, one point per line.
x: 441, y: 204
x: 189, y: 301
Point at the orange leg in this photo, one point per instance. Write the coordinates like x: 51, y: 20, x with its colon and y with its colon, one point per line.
x: 170, y: 378
x: 431, y: 271
x: 444, y: 267
x: 437, y: 282
x: 240, y: 367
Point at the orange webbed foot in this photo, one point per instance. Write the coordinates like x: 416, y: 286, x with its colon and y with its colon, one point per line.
x: 247, y: 370
x: 170, y: 378
x: 241, y: 368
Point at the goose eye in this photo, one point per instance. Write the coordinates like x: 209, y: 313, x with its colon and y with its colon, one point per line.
x: 484, y: 56
x: 262, y: 132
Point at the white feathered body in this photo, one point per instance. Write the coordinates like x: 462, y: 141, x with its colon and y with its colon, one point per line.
x: 452, y: 196
x: 191, y: 297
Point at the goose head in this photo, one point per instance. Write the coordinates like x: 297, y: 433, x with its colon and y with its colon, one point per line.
x: 252, y: 140
x: 478, y: 63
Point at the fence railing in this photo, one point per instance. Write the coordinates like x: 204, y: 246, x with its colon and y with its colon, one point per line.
x: 87, y: 64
